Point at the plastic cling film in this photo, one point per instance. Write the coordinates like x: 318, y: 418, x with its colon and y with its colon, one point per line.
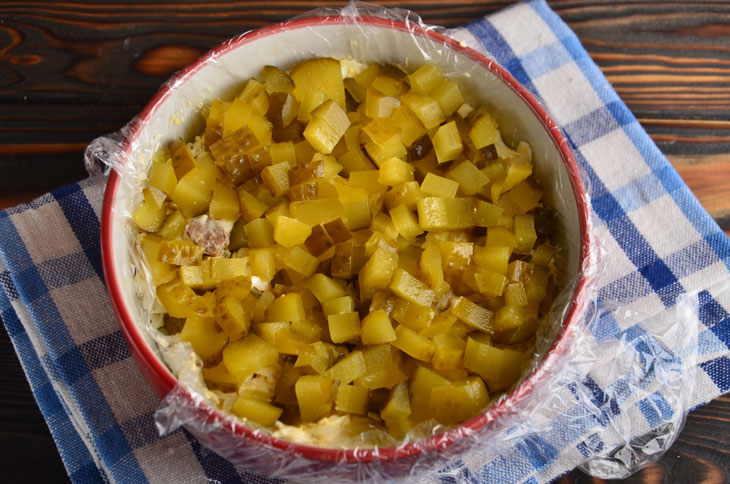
x: 581, y: 389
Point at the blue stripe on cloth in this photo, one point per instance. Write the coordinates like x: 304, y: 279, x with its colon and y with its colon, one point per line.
x: 72, y: 366
x: 721, y: 329
x: 458, y: 473
x: 639, y: 192
x: 501, y: 51
x: 572, y: 424
x: 607, y: 406
x: 506, y: 469
x: 604, y: 327
x: 215, y: 466
x: 64, y: 359
x: 88, y: 474
x: 634, y: 245
x: 74, y: 453
x: 591, y: 445
x: 545, y: 59
x: 217, y: 469
x: 626, y: 289
x: 655, y: 409
x: 8, y: 290
x: 717, y: 337
x: 65, y: 271
x: 656, y: 161
x: 538, y: 451
x: 83, y: 221
x: 141, y: 430
x: 592, y: 126
x: 581, y: 57
x: 719, y: 371
x: 105, y: 350
x: 686, y: 260
x: 709, y: 344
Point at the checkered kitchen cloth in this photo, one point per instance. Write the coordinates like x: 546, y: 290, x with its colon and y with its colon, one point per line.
x: 100, y: 409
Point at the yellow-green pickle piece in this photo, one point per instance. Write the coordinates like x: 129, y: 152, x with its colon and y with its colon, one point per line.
x: 374, y: 252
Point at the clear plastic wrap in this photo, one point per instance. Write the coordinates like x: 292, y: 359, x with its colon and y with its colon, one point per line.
x: 557, y: 395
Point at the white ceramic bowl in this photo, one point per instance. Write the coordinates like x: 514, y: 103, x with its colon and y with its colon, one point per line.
x: 173, y: 113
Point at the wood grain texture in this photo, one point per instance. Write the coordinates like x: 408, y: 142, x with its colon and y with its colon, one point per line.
x: 72, y: 71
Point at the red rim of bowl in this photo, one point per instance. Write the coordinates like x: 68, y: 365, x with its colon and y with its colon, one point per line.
x: 436, y: 442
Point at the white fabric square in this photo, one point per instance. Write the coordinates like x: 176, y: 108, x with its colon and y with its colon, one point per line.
x: 567, y: 93
x: 123, y: 384
x: 649, y: 221
x: 615, y: 159
x: 704, y: 387
x: 649, y: 305
x: 700, y: 278
x: 514, y: 31
x: 95, y: 197
x: 170, y: 461
x: 83, y: 314
x: 46, y: 232
x: 620, y: 265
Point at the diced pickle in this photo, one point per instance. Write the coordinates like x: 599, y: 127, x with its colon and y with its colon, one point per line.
x: 438, y: 186
x: 160, y: 271
x: 290, y: 232
x: 424, y: 79
x: 259, y: 233
x: 180, y: 252
x: 344, y: 327
x: 426, y: 109
x: 348, y: 368
x: 398, y: 406
x: 459, y: 401
x: 182, y: 158
x: 244, y: 357
x: 447, y: 143
x: 448, y: 353
x: 162, y: 177
x: 448, y: 95
x: 389, y: 256
x: 202, y: 333
x: 410, y: 342
x: 410, y: 288
x: 470, y: 179
x: 314, y: 396
x: 276, y: 80
x: 319, y: 74
x: 395, y: 171
x: 405, y: 222
x: 327, y: 126
x: 232, y: 318
x: 352, y: 399
x: 437, y: 213
x: 149, y: 216
x: 377, y: 328
x: 261, y: 412
x: 473, y: 315
x: 412, y: 315
x: 276, y: 178
x: 377, y: 273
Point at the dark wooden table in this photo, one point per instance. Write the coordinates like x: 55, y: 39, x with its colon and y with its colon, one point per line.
x: 72, y: 71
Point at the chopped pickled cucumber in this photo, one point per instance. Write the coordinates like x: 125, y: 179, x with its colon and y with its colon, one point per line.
x: 383, y: 259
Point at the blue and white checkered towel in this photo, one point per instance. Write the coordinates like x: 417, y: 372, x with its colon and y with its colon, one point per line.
x: 100, y: 409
